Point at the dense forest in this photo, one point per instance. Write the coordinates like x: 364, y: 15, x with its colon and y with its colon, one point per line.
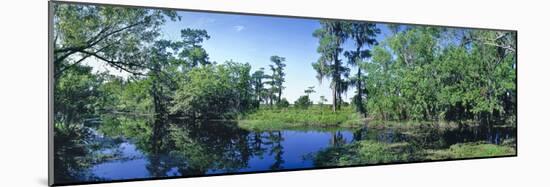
x: 416, y: 73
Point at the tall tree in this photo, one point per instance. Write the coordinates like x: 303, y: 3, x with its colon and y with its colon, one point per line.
x: 193, y: 53
x: 240, y: 76
x: 362, y: 34
x: 258, y: 85
x: 309, y: 90
x: 332, y: 35
x: 278, y: 74
x: 272, y: 85
x: 167, y: 59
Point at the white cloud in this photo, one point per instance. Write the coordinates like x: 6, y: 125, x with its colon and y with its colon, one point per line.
x: 202, y: 22
x: 239, y: 28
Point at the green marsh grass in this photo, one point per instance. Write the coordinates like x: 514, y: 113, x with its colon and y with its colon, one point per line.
x: 471, y: 150
x: 285, y: 118
x: 364, y: 152
x: 372, y: 152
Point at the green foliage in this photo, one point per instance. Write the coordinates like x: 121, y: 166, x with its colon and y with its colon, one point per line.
x: 113, y: 35
x: 374, y: 152
x: 283, y: 103
x: 332, y: 35
x: 363, y: 35
x: 134, y: 126
x: 69, y: 150
x: 314, y: 116
x: 126, y: 96
x: 471, y: 150
x: 309, y: 90
x: 259, y: 90
x: 74, y: 153
x: 303, y: 102
x: 76, y: 95
x: 276, y: 79
x: 425, y: 73
x: 192, y: 146
x: 214, y: 92
x: 192, y: 53
x: 363, y: 152
x: 416, y: 74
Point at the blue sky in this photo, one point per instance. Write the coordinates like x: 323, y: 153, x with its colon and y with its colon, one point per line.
x: 253, y: 39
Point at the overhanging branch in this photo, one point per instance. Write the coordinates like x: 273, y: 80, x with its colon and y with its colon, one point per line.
x: 116, y: 64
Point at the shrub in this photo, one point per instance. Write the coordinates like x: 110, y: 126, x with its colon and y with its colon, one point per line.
x: 283, y: 103
x: 303, y: 102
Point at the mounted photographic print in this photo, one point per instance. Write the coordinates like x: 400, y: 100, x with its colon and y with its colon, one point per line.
x: 140, y: 93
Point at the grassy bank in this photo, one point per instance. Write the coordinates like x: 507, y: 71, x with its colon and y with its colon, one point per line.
x: 275, y: 118
x: 471, y: 150
x: 363, y: 152
x: 285, y: 118
x: 372, y: 152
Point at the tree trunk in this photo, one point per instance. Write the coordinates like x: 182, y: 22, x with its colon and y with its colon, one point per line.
x: 280, y: 93
x: 271, y: 99
x: 334, y: 99
x: 339, y: 105
x: 336, y: 79
x: 360, y: 94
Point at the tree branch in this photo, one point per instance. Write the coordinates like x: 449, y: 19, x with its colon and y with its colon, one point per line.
x: 501, y: 46
x: 57, y: 74
x: 487, y: 42
x: 63, y: 57
x: 114, y: 63
x: 91, y: 42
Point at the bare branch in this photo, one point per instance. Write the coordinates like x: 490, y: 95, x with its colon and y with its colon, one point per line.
x: 501, y: 46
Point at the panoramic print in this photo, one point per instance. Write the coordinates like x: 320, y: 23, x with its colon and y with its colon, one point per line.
x: 142, y: 93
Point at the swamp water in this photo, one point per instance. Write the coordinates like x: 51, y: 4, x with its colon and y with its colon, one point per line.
x: 132, y: 148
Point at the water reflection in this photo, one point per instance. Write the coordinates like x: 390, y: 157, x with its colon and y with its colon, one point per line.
x: 133, y: 147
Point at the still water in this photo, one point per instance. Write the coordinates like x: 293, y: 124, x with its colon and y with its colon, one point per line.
x: 132, y: 149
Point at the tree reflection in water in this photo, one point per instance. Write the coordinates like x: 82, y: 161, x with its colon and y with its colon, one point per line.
x: 275, y: 139
x: 183, y: 147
